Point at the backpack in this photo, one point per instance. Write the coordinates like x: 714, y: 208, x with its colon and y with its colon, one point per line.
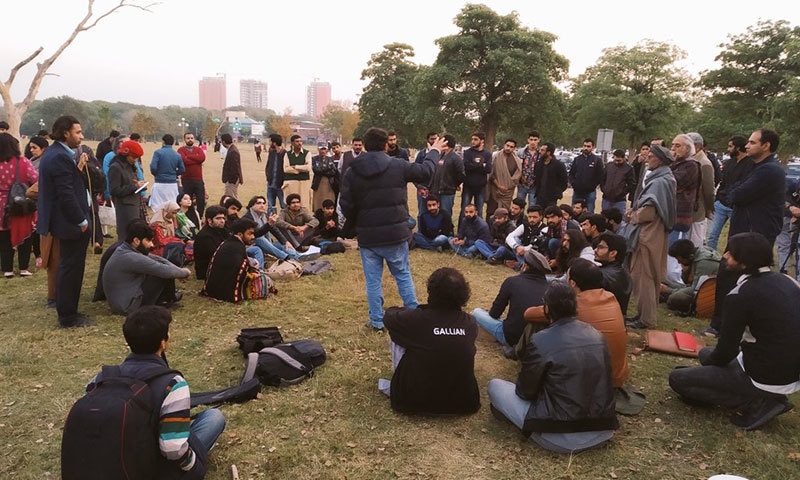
x: 285, y: 270
x: 332, y: 247
x: 317, y: 267
x: 254, y: 339
x: 112, y: 431
x: 285, y: 364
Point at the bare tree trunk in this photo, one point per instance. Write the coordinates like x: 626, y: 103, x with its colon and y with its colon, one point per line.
x: 89, y: 21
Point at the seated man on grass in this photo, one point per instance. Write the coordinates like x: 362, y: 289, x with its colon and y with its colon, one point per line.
x: 610, y: 252
x: 499, y: 227
x: 756, y: 362
x: 182, y: 442
x: 563, y: 399
x: 132, y: 277
x: 433, y: 351
x: 471, y: 229
x: 435, y: 226
x: 296, y: 223
x: 517, y: 293
x: 232, y: 276
x: 266, y: 230
x: 696, y: 264
x: 208, y: 239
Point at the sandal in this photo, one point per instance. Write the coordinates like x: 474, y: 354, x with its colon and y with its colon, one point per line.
x: 25, y: 273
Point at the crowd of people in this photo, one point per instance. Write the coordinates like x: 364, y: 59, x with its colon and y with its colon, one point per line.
x: 566, y: 310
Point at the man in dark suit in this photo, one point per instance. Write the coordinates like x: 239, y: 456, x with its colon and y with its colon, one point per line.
x: 64, y: 214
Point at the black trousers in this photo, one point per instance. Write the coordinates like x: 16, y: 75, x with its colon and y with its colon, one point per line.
x: 197, y: 189
x: 7, y: 252
x: 157, y: 290
x: 69, y: 279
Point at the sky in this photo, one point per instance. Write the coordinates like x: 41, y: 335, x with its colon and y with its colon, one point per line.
x: 157, y: 58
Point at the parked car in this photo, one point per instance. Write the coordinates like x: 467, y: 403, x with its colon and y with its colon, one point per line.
x: 793, y: 171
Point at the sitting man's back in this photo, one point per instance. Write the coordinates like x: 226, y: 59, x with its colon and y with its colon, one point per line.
x: 435, y: 373
x: 563, y: 399
x: 99, y: 440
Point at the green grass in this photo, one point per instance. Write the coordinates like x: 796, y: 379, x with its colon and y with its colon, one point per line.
x: 336, y: 424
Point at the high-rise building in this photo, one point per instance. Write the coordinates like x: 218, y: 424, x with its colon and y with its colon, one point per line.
x: 318, y: 97
x: 253, y: 93
x: 212, y: 93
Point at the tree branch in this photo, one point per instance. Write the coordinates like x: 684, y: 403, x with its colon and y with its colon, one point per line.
x: 13, y: 74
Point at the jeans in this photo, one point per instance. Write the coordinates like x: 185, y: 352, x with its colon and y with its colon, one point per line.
x: 784, y: 243
x: 728, y: 386
x: 621, y: 205
x: 208, y: 426
x: 396, y: 257
x: 464, y: 250
x: 274, y: 193
x: 446, y: 203
x: 590, y: 197
x: 490, y: 324
x: 500, y: 253
x: 476, y: 198
x: 527, y: 194
x: 722, y: 214
x: 275, y: 249
x: 422, y: 206
x: 255, y: 253
x: 425, y: 243
x: 675, y: 235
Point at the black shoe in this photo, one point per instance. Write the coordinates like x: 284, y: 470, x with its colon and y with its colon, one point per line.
x: 498, y: 414
x: 636, y: 324
x: 493, y: 261
x: 708, y: 332
x: 51, y: 303
x: 759, y: 412
x: 509, y: 353
x: 107, y: 235
x: 79, y: 320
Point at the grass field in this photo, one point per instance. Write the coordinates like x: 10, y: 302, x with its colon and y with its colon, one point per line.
x: 337, y: 425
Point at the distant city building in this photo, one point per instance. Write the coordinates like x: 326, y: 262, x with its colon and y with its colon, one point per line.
x: 212, y: 93
x: 318, y: 97
x: 253, y: 93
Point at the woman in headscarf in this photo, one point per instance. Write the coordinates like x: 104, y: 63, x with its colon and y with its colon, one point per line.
x: 188, y: 220
x: 165, y: 242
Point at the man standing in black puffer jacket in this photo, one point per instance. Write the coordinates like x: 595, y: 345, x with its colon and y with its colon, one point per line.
x: 374, y: 200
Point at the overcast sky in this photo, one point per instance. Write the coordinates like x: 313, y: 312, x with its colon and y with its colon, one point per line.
x: 157, y: 58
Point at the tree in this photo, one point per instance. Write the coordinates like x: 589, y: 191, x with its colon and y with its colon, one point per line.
x: 104, y: 122
x: 282, y: 125
x: 494, y: 73
x: 15, y: 111
x: 340, y: 122
x: 144, y: 124
x: 757, y: 80
x: 388, y: 100
x: 638, y: 92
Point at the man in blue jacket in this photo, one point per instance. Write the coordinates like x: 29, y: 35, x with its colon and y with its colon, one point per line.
x: 166, y: 166
x: 374, y: 199
x: 64, y: 215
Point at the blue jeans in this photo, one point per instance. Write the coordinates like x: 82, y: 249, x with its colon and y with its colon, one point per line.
x: 396, y: 257
x: 446, y: 203
x: 675, y: 235
x: 784, y: 244
x: 590, y: 197
x: 621, y: 206
x: 500, y: 253
x: 722, y: 214
x: 490, y: 324
x: 476, y: 198
x: 276, y: 249
x: 464, y: 250
x: 527, y: 194
x: 255, y: 253
x: 208, y: 426
x: 274, y: 193
x: 425, y: 243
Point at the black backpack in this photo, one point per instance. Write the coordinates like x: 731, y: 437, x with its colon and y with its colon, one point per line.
x: 112, y: 431
x: 254, y: 339
x: 285, y: 364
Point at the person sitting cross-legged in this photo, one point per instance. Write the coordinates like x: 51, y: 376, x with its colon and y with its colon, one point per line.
x: 517, y: 293
x: 232, y: 276
x: 266, y: 226
x: 208, y: 239
x: 563, y: 398
x: 132, y: 277
x: 433, y: 351
x: 296, y: 223
x: 471, y: 229
x: 499, y: 227
x: 610, y: 253
x: 697, y: 264
x: 183, y: 442
x: 435, y: 226
x: 756, y: 362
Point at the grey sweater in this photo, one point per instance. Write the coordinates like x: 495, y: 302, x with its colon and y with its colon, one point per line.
x: 127, y: 270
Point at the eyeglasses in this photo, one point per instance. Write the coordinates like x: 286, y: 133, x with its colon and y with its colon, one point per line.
x: 601, y: 247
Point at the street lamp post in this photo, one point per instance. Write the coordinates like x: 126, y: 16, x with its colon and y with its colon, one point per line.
x: 41, y: 123
x: 183, y: 124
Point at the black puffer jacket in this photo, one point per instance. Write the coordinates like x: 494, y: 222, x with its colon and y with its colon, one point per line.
x: 566, y: 375
x: 374, y: 196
